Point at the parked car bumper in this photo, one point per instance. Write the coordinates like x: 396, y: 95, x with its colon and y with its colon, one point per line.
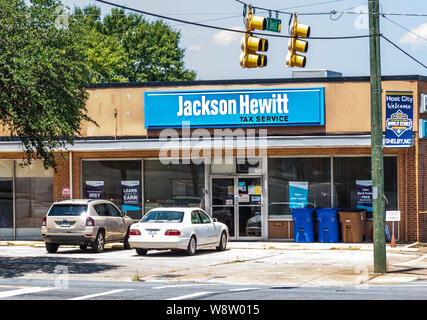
x: 68, y: 239
x: 148, y: 244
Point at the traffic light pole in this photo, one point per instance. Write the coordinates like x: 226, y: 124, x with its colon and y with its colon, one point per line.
x: 377, y: 163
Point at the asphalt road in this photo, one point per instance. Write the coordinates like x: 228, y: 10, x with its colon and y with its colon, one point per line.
x: 63, y: 289
x: 247, y: 275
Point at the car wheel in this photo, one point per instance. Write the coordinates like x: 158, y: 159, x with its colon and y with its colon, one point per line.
x: 52, y: 247
x: 141, y: 252
x: 222, y: 242
x: 83, y: 247
x: 192, y: 246
x: 98, y: 245
x: 126, y: 244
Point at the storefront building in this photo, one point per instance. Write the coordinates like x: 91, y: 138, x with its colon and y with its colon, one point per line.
x: 247, y: 151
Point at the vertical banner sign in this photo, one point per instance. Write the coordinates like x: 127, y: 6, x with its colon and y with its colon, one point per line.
x: 131, y: 192
x: 399, y: 119
x: 364, y: 194
x: 298, y: 194
x: 94, y: 189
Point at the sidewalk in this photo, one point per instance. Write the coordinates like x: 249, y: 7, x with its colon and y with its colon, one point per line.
x: 249, y: 262
x: 276, y: 245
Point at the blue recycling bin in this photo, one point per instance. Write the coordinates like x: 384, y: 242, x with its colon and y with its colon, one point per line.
x: 327, y: 224
x: 303, y: 224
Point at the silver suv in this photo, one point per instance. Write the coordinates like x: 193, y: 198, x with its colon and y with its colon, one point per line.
x: 85, y: 223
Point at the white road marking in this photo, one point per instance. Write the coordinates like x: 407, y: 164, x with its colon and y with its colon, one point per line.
x: 242, y: 289
x: 408, y: 263
x: 99, y: 294
x: 186, y: 285
x: 193, y: 295
x: 17, y: 292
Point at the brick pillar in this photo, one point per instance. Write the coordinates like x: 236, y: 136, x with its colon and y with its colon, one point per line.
x: 61, y: 178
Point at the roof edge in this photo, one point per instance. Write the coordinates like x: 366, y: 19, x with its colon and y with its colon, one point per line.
x: 252, y: 81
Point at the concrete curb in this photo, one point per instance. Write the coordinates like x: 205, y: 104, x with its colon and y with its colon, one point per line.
x: 265, y: 245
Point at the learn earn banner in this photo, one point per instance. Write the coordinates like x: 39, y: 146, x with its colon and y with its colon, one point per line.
x: 399, y: 119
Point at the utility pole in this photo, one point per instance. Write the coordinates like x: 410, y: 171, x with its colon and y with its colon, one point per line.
x: 377, y: 171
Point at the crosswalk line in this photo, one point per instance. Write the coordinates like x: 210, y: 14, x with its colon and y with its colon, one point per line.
x: 17, y: 292
x: 99, y: 294
x: 193, y: 295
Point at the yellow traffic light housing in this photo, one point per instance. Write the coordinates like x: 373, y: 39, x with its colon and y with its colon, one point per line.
x: 253, y: 22
x: 249, y: 58
x: 297, y: 45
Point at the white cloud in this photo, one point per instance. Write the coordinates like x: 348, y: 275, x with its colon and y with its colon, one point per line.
x: 413, y: 39
x: 224, y: 38
x: 194, y: 47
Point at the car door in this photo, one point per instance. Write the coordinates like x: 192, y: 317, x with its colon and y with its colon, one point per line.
x: 209, y: 228
x: 198, y: 228
x: 117, y: 222
x: 103, y: 212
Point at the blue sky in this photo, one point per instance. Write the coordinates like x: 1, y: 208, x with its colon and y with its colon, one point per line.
x: 214, y: 54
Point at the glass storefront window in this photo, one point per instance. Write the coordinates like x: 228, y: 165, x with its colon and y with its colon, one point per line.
x: 173, y: 185
x: 353, y: 174
x: 34, y: 196
x: 297, y: 182
x: 6, y: 199
x: 116, y: 180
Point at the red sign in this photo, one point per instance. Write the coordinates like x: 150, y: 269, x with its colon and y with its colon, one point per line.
x: 66, y: 192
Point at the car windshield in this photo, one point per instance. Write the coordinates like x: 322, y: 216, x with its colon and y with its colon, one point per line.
x: 164, y: 216
x: 68, y: 210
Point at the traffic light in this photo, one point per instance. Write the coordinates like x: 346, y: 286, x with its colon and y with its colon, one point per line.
x: 293, y: 59
x: 249, y: 58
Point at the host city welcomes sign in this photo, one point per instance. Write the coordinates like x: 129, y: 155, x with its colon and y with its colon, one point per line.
x: 234, y: 108
x: 399, y: 119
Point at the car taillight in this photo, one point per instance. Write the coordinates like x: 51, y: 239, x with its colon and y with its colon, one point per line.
x: 44, y: 222
x: 172, y: 232
x: 90, y: 222
x: 134, y: 232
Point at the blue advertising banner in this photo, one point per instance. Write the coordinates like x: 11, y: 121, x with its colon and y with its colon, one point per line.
x: 94, y: 189
x: 364, y: 194
x: 130, y: 195
x: 234, y: 108
x: 399, y: 119
x: 298, y: 194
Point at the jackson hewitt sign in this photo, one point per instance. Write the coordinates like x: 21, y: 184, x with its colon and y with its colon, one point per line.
x: 234, y: 108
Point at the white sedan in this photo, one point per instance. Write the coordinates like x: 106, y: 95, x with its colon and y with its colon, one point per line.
x: 177, y: 229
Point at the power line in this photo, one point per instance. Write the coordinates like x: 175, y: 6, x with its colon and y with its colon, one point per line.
x: 332, y: 11
x: 404, y: 28
x: 271, y: 35
x: 396, y: 46
x: 225, y: 29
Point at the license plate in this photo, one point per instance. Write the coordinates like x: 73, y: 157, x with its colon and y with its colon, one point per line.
x: 152, y: 232
x: 65, y: 223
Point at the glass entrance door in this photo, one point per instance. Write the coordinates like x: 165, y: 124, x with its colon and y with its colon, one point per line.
x: 237, y: 202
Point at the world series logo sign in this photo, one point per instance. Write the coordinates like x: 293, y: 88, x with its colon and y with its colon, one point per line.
x: 399, y: 116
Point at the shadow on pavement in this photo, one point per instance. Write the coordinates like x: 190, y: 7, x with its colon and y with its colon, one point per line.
x: 177, y: 253
x: 11, y: 267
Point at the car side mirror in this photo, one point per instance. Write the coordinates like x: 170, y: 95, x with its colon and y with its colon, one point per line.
x: 124, y: 213
x: 214, y: 220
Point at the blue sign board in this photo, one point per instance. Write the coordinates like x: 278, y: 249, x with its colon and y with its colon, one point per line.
x: 298, y: 194
x: 364, y: 194
x: 399, y: 119
x: 234, y: 108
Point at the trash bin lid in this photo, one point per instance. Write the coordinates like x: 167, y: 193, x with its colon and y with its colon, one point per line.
x: 327, y: 213
x: 355, y: 210
x: 302, y: 212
